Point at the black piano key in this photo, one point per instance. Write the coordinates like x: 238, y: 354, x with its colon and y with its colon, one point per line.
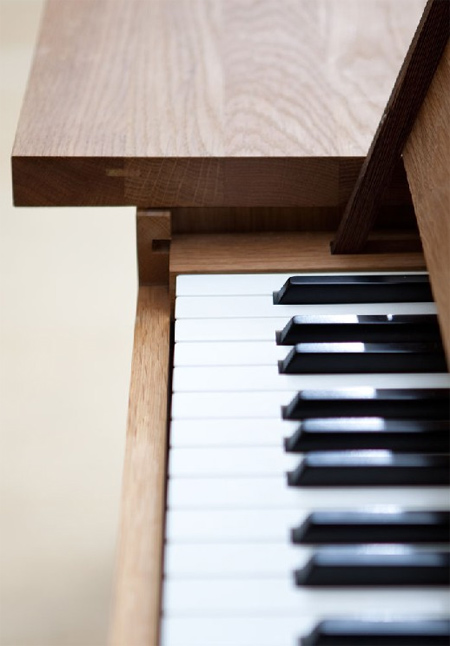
x: 364, y: 328
x: 401, y: 288
x: 340, y: 358
x: 359, y: 433
x: 352, y: 567
x: 395, y: 403
x: 370, y: 469
x: 348, y: 632
x: 331, y: 527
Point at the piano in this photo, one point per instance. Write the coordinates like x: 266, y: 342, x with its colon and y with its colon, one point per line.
x: 286, y: 466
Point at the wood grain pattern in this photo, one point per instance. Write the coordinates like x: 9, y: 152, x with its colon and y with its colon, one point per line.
x: 135, y: 619
x: 427, y: 162
x: 398, y: 118
x: 285, y: 252
x: 205, y: 102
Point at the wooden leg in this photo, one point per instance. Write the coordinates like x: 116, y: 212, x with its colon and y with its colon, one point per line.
x: 136, y: 611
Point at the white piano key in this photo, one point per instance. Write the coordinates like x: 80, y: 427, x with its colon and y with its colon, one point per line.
x: 272, y: 493
x: 274, y: 595
x: 247, y: 329
x: 235, y: 631
x: 229, y: 405
x: 232, y: 525
x: 248, y: 284
x: 254, y: 560
x: 230, y: 462
x: 229, y: 284
x: 219, y: 307
x: 233, y: 561
x: 239, y: 353
x: 259, y: 378
x: 236, y: 432
x: 257, y: 631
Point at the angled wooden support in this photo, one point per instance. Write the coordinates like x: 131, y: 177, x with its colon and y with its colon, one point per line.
x: 153, y: 232
x: 398, y: 118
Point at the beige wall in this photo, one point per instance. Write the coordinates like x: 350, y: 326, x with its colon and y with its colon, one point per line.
x: 67, y: 298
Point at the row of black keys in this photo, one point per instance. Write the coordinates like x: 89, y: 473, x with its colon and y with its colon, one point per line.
x: 384, y: 344
x: 370, y: 437
x: 351, y: 343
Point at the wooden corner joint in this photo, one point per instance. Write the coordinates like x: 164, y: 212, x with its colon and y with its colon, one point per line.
x: 153, y: 233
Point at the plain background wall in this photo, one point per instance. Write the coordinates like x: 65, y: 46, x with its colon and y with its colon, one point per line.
x: 67, y: 305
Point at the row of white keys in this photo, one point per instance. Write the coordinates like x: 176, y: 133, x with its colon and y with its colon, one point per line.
x: 223, y: 495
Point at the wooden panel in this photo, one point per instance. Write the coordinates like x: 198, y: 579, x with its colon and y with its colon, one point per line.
x: 139, y: 562
x: 398, y: 118
x: 205, y: 102
x: 246, y: 220
x: 286, y: 252
x: 427, y: 163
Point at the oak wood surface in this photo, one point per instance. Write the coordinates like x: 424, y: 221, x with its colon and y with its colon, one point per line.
x: 398, y: 118
x: 284, y: 252
x: 206, y: 102
x: 135, y: 620
x: 427, y: 162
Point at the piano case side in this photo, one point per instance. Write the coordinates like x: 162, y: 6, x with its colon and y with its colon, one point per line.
x: 427, y: 162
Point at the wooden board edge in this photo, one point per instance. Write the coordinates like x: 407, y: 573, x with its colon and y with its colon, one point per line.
x: 286, y: 252
x: 136, y: 606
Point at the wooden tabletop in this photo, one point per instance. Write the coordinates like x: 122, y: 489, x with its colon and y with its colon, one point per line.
x: 162, y: 103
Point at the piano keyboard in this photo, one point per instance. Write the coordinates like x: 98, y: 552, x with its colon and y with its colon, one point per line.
x: 351, y: 547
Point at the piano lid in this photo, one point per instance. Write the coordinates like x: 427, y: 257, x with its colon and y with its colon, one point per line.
x: 206, y: 102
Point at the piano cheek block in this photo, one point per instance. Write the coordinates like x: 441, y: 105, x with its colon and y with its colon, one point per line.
x: 379, y: 633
